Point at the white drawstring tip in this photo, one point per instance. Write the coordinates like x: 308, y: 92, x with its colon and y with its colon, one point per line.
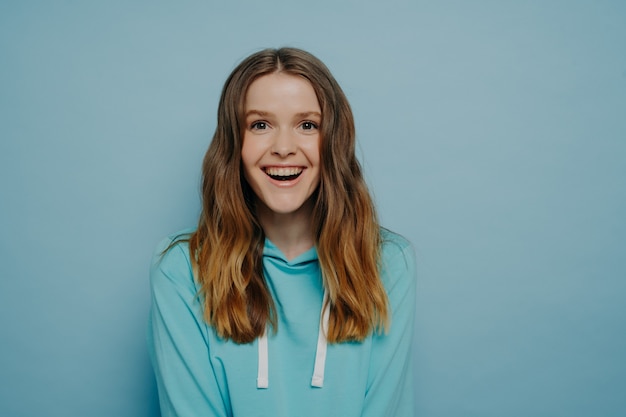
x: 317, y: 381
x: 262, y: 380
x: 262, y: 383
x: 320, y: 355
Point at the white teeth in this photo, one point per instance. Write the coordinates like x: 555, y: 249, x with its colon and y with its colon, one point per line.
x: 282, y: 171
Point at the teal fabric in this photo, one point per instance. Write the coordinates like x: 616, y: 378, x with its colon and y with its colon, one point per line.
x: 199, y: 374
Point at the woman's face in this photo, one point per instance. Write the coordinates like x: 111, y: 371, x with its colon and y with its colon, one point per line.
x: 281, y: 141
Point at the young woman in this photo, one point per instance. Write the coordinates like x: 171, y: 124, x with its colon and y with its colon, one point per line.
x: 288, y: 299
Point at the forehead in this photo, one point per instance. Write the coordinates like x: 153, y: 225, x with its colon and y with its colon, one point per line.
x: 281, y: 92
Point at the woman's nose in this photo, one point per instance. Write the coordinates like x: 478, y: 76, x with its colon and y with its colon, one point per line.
x: 284, y: 143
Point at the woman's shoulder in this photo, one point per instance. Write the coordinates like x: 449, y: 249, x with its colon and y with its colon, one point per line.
x: 178, y: 241
x: 171, y: 256
x: 394, y: 243
x: 397, y: 258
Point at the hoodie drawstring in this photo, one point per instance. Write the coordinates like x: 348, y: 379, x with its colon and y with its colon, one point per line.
x: 322, y: 344
x: 262, y: 381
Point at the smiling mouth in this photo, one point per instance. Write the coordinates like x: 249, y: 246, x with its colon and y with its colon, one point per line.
x: 283, y: 173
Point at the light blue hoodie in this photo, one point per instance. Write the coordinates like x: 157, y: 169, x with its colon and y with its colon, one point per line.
x: 200, y: 374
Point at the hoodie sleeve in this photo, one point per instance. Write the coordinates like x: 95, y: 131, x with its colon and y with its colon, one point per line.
x: 178, y: 339
x: 390, y: 386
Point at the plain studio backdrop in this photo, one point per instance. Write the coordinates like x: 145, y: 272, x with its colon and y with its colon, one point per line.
x: 492, y: 133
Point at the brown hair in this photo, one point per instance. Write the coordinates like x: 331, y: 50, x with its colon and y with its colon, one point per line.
x: 226, y: 248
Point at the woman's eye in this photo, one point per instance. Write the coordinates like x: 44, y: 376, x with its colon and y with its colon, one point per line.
x: 258, y: 126
x: 309, y: 126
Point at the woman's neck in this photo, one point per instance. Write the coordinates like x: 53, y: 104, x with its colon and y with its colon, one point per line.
x: 292, y: 233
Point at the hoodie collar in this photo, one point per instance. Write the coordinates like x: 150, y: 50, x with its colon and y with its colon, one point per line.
x: 271, y: 250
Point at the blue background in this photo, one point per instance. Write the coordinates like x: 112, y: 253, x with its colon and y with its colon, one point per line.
x: 493, y: 134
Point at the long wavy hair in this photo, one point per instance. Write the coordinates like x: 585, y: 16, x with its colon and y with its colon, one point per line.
x: 226, y: 248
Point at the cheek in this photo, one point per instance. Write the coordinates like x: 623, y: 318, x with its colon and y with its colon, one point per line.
x: 247, y: 153
x: 247, y: 163
x: 315, y: 161
x: 312, y: 151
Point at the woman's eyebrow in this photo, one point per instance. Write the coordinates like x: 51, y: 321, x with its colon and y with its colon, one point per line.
x: 257, y: 113
x: 304, y: 114
x: 309, y: 114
